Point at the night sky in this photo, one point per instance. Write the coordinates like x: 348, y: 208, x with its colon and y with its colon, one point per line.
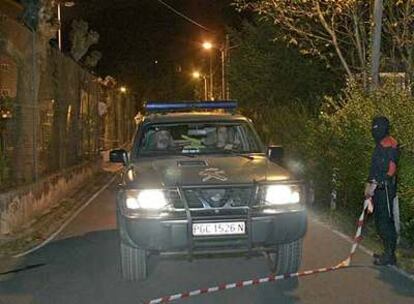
x: 146, y: 46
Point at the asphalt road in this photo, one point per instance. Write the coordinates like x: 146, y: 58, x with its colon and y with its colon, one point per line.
x: 82, y: 267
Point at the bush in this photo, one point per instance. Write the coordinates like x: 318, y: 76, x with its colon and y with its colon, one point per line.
x: 340, y: 140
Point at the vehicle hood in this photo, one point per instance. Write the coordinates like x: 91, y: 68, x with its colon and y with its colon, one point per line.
x: 203, y: 170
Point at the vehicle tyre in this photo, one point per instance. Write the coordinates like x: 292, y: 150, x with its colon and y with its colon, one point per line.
x: 287, y: 258
x: 133, y: 263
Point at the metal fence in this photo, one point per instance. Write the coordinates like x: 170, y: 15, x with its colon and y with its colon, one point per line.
x: 53, y: 113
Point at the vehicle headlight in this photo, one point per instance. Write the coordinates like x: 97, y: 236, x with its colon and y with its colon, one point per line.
x: 281, y: 195
x: 151, y: 199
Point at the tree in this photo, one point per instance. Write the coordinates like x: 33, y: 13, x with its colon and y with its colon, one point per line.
x: 340, y: 32
x: 92, y: 59
x: 376, y: 43
x: 336, y: 31
x: 82, y: 39
x: 399, y: 36
x: 29, y: 51
x: 267, y: 75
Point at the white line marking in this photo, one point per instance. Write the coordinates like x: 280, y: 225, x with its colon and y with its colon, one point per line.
x: 362, y: 248
x: 67, y: 222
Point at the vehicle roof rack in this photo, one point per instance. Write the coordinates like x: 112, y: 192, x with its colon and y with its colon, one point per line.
x: 184, y: 106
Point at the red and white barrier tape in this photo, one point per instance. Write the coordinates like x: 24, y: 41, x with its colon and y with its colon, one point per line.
x: 271, y: 278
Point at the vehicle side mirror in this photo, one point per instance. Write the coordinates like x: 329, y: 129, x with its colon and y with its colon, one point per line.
x: 275, y: 153
x: 118, y: 156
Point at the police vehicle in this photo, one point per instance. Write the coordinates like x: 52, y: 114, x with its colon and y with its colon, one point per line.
x: 199, y: 180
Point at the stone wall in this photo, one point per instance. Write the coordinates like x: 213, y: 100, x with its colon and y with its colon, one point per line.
x: 19, y: 207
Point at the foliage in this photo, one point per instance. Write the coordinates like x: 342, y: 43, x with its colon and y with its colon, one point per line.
x: 267, y: 74
x: 92, y: 59
x: 341, y: 139
x: 280, y: 89
x: 6, y: 113
x: 6, y: 107
x: 81, y: 39
x: 40, y: 16
x: 398, y: 31
x: 339, y: 31
x: 31, y: 12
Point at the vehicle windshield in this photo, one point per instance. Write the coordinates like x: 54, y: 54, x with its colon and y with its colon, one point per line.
x: 198, y: 138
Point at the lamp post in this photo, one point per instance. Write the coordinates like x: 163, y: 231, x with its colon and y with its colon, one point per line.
x: 197, y: 75
x: 223, y: 73
x: 66, y: 4
x: 223, y: 52
x: 208, y: 46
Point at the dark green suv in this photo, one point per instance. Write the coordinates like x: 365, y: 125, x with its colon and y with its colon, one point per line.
x: 199, y: 180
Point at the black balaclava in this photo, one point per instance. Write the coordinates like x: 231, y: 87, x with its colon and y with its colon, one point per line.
x: 380, y: 128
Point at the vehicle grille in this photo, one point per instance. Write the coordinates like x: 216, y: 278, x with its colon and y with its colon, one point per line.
x: 207, y: 198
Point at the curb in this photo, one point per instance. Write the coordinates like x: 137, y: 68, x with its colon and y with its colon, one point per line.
x: 362, y: 247
x: 67, y: 222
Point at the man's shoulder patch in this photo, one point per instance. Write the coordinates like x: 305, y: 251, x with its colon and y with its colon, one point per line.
x: 389, y: 142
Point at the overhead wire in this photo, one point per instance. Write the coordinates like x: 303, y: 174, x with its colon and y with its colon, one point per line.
x: 185, y: 17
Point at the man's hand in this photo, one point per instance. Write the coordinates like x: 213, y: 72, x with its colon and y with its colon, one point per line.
x: 370, y: 189
x: 370, y: 205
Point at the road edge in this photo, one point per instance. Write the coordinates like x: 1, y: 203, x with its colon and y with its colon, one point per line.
x: 361, y: 247
x: 67, y: 222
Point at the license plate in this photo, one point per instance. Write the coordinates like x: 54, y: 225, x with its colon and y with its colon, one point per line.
x: 219, y: 228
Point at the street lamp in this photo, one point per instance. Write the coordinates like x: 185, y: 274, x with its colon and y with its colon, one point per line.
x: 207, y: 45
x: 66, y: 4
x: 197, y: 75
x: 123, y: 90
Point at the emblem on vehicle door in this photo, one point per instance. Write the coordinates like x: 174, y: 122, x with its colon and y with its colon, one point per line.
x: 213, y: 173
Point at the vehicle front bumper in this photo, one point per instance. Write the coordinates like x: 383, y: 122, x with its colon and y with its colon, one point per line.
x: 264, y: 230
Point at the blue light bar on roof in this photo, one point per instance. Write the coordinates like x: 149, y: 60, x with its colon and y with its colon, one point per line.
x: 156, y: 106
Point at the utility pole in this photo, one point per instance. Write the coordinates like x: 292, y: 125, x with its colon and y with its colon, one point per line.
x: 376, y: 44
x: 59, y: 15
x: 224, y: 60
x: 223, y: 73
x: 227, y: 65
x: 205, y: 88
x: 211, y: 77
x: 60, y: 27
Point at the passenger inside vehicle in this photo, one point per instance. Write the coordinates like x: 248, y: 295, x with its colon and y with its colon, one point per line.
x: 222, y: 137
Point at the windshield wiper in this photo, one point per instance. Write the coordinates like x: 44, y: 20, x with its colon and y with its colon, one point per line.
x: 238, y: 153
x: 192, y: 155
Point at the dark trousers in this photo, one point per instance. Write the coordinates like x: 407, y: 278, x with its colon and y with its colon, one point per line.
x: 384, y: 220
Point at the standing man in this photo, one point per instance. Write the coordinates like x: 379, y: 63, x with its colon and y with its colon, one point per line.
x: 382, y: 188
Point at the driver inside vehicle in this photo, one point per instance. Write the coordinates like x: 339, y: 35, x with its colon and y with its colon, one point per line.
x: 163, y: 140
